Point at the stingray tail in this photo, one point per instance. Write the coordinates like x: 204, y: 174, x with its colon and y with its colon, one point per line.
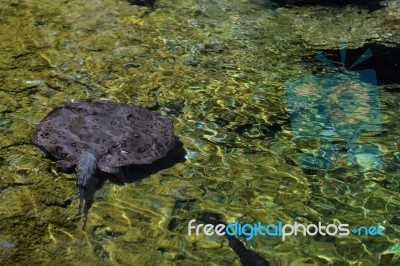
x: 85, y: 168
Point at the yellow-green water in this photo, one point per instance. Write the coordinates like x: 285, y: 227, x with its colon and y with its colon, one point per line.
x: 218, y: 69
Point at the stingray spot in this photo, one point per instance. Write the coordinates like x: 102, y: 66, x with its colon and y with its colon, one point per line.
x: 165, y: 138
x: 154, y: 141
x: 60, y: 132
x: 61, y: 137
x: 64, y: 155
x: 116, y: 145
x: 149, y: 126
x: 73, y: 144
x: 163, y: 132
x: 164, y: 127
x: 113, y: 123
x: 61, y: 125
x: 141, y: 150
x: 52, y: 142
x: 96, y: 120
x: 147, y: 145
x: 59, y: 149
x: 137, y: 158
x: 44, y: 134
x: 136, y: 135
x: 101, y: 141
x: 147, y: 131
x: 96, y: 126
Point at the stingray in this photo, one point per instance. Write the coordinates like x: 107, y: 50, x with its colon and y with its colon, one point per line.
x: 103, y: 136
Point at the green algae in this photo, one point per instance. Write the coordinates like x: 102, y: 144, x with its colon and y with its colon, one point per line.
x: 218, y: 68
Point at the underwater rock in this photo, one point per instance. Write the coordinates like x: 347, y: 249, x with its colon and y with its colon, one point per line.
x: 371, y: 5
x: 191, y: 61
x: 385, y: 61
x: 142, y: 2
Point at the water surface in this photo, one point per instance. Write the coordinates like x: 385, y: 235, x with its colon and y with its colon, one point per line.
x: 219, y: 69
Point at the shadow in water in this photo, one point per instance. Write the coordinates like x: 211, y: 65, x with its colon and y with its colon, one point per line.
x: 129, y: 174
x: 385, y: 61
x: 247, y: 257
x: 370, y: 5
x: 142, y: 2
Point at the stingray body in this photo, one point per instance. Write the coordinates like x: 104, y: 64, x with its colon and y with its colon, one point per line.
x: 103, y: 135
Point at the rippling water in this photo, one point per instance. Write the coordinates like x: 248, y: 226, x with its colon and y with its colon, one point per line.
x: 220, y: 70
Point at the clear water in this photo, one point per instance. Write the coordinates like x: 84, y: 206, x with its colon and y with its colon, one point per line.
x: 220, y: 70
